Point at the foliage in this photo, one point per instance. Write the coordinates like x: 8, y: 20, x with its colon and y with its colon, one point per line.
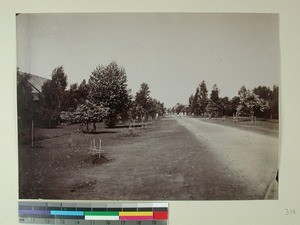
x: 261, y: 102
x: 250, y: 102
x: 108, y: 85
x: 53, y: 91
x: 144, y: 105
x: 48, y: 117
x: 198, y: 102
x: 214, y: 107
x: 273, y: 102
x: 141, y: 104
x: 179, y: 108
x: 227, y: 106
x: 71, y: 97
x: 24, y: 99
x: 83, y: 92
x: 53, y: 98
x: 271, y: 96
x: 87, y: 113
x: 235, y: 101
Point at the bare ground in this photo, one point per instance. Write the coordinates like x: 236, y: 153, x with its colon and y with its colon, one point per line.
x: 169, y: 160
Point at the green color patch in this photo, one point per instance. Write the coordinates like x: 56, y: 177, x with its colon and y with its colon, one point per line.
x: 96, y: 213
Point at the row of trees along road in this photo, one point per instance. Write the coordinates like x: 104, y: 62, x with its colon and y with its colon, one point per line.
x: 262, y: 102
x: 105, y: 96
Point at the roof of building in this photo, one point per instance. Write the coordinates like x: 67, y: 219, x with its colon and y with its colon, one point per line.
x: 36, y: 82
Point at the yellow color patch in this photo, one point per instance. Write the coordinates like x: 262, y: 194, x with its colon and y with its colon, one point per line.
x: 135, y: 213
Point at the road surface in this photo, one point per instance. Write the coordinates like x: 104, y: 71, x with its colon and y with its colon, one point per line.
x: 249, y: 158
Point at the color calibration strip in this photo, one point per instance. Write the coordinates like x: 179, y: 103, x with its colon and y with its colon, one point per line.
x: 93, y: 211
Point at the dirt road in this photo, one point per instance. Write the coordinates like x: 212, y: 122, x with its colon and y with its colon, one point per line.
x: 251, y: 158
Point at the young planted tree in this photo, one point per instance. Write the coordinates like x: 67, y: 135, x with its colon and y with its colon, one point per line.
x: 108, y: 86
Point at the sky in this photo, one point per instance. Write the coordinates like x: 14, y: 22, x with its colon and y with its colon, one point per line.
x: 171, y: 52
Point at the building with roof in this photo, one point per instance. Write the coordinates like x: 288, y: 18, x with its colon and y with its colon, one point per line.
x: 36, y: 83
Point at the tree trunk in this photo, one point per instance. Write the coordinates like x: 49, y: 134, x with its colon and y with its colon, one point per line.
x: 94, y: 127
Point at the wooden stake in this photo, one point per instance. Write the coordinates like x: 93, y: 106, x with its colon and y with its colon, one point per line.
x: 31, y: 133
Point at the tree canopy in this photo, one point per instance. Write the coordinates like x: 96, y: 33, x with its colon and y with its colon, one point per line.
x: 108, y: 85
x: 87, y: 113
x: 249, y: 102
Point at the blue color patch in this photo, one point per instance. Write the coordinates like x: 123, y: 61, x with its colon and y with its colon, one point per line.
x: 66, y: 213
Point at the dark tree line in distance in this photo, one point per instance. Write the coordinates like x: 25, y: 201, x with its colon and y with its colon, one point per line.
x: 261, y: 102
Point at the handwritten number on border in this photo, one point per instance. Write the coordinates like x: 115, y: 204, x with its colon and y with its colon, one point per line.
x: 289, y: 212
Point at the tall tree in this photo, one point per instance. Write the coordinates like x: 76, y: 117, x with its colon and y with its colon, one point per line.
x: 83, y: 91
x: 196, y: 103
x: 142, y: 101
x: 108, y: 85
x: 213, y: 107
x: 234, y: 102
x: 24, y: 99
x: 71, y: 97
x: 226, y: 106
x: 145, y: 106
x: 190, y: 107
x: 53, y: 91
x: 202, y: 99
x: 53, y: 98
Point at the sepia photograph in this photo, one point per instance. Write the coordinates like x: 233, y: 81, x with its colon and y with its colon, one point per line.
x: 148, y: 106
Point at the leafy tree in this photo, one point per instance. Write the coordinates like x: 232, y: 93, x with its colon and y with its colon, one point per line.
x: 190, y: 107
x: 249, y: 102
x: 234, y: 102
x: 264, y: 93
x: 71, y: 97
x: 87, y: 113
x: 202, y: 100
x: 180, y: 108
x: 156, y: 108
x: 226, y: 106
x: 274, y: 103
x: 196, y: 103
x: 24, y: 99
x: 53, y: 98
x: 53, y: 90
x: 144, y: 105
x: 142, y: 102
x: 108, y: 85
x: 83, y: 92
x: 213, y: 107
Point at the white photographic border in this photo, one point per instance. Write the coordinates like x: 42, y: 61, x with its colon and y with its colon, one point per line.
x: 275, y: 212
